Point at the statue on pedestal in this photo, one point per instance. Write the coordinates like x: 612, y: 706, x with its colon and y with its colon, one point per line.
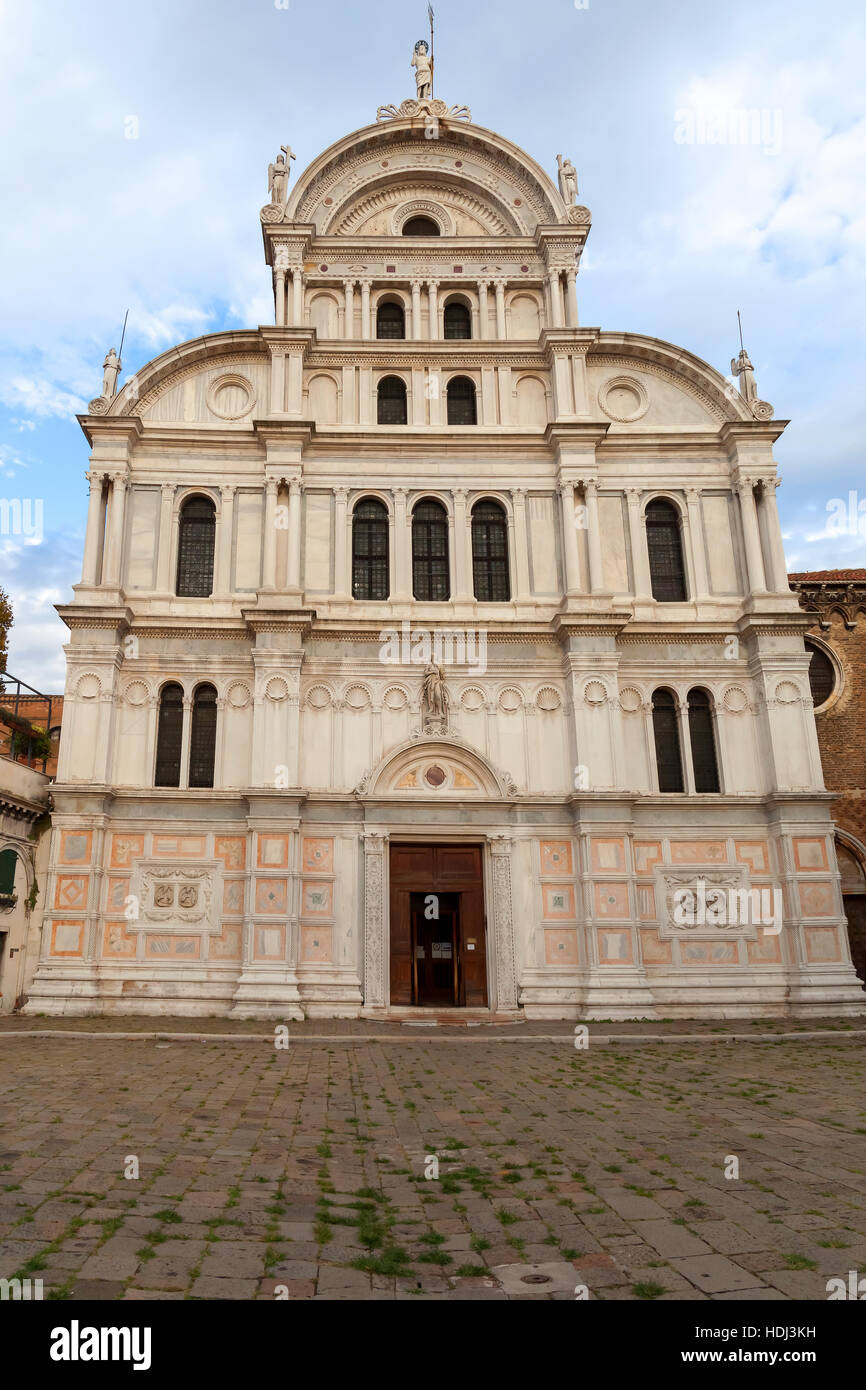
x: 110, y: 372
x: 278, y: 176
x: 742, y: 367
x: 434, y: 699
x: 567, y: 180
x: 423, y: 66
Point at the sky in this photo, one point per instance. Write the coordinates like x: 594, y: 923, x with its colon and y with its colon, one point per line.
x: 720, y: 147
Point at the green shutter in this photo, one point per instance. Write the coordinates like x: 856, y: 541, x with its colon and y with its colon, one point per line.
x: 8, y: 865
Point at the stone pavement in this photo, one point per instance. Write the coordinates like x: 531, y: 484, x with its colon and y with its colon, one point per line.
x: 310, y: 1172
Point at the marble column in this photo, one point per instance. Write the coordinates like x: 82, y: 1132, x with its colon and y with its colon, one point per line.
x: 571, y: 297
x: 280, y: 296
x: 752, y: 538
x: 365, y: 309
x: 297, y: 296
x: 269, y: 558
x: 462, y: 546
x: 402, y: 546
x: 416, y: 309
x: 521, y: 549
x: 341, y: 543
x: 349, y: 309
x: 696, y: 533
x: 117, y: 513
x: 555, y: 297
x: 433, y: 309
x: 500, y: 309
x: 293, y: 574
x: 185, y: 741
x: 637, y: 541
x: 778, y: 563
x: 222, y: 577
x: 163, y: 556
x: 94, y: 518
x: 483, y: 319
x: 569, y: 538
x: 593, y: 537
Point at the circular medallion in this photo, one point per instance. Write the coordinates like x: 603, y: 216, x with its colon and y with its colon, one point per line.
x: 623, y: 399
x: 434, y: 775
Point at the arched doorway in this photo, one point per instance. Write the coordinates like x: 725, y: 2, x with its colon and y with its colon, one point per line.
x: 851, y: 856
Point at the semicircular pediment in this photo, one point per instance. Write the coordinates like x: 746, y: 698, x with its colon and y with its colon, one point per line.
x: 444, y: 769
x: 464, y: 164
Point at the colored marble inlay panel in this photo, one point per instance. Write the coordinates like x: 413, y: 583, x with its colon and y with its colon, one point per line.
x: 708, y: 952
x: 646, y: 853
x: 810, y: 856
x: 614, y: 947
x: 125, y: 849
x: 271, y: 894
x: 611, y: 900
x: 117, y: 942
x: 179, y: 846
x: 556, y: 858
x: 317, y: 899
x: 653, y: 950
x: 560, y: 947
x: 608, y: 855
x: 816, y: 899
x: 316, y: 943
x: 273, y: 851
x: 233, y: 895
x: 698, y: 851
x: 75, y: 846
x: 318, y: 856
x: 71, y: 892
x: 767, y: 950
x: 67, y: 938
x: 232, y: 850
x: 822, y: 943
x: 557, y: 901
x: 229, y: 945
x: 118, y: 892
x: 753, y: 853
x: 646, y: 902
x: 269, y: 943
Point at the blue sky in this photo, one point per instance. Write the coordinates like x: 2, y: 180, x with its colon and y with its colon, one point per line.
x: 683, y: 233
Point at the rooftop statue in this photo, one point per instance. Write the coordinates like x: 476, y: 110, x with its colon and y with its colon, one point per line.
x: 567, y: 180
x: 278, y: 176
x: 423, y: 65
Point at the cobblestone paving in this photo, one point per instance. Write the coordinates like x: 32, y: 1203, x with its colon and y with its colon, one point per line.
x: 300, y: 1173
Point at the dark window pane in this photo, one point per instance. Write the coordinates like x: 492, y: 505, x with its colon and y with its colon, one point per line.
x: 391, y: 401
x: 421, y: 226
x: 461, y: 401
x: 490, y: 553
x: 665, y: 553
x: 430, y: 579
x: 370, y: 550
x: 390, y: 321
x: 202, y: 743
x: 703, y: 741
x: 822, y: 676
x: 169, y: 737
x: 667, y: 740
x: 195, y: 548
x: 8, y: 865
x: 458, y: 321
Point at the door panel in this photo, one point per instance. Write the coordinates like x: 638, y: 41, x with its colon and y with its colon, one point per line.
x: 454, y: 874
x: 473, y: 953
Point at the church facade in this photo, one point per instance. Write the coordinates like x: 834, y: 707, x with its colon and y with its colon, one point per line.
x: 432, y: 650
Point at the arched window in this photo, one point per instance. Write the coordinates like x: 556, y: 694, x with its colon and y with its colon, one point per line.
x: 169, y: 737
x: 370, y: 550
x: 490, y: 553
x: 8, y: 867
x: 457, y: 320
x: 195, y: 548
x: 664, y: 543
x: 461, y: 401
x: 390, y: 320
x: 669, y: 763
x: 822, y: 676
x: 421, y: 226
x: 430, y: 578
x: 202, y: 742
x: 703, y: 740
x: 391, y: 401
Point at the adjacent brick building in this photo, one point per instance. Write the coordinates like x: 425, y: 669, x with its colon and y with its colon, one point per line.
x: 837, y: 598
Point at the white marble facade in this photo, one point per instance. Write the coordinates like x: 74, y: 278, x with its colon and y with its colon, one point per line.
x: 267, y: 895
